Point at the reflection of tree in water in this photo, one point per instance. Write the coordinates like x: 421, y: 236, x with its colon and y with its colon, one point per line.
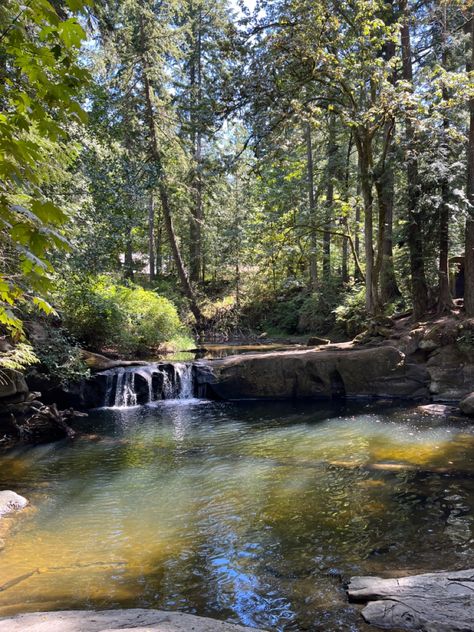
x: 251, y: 513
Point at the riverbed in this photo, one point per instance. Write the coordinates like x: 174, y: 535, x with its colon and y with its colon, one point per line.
x: 255, y: 513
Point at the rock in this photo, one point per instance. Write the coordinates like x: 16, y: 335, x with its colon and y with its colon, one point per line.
x: 432, y: 602
x: 10, y: 502
x: 315, y: 341
x: 467, y: 405
x: 116, y: 620
x: 97, y: 362
x: 451, y: 373
x: 337, y: 371
x: 437, y: 409
x: 12, y: 384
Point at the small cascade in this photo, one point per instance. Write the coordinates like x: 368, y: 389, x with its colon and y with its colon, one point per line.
x: 132, y: 386
x: 184, y: 373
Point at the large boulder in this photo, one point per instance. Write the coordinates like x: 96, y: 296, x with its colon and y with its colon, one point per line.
x: 334, y: 371
x: 11, y: 502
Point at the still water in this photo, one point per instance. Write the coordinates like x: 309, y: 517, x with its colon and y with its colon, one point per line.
x: 254, y: 513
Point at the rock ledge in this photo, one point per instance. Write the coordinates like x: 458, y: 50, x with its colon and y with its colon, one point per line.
x: 115, y: 621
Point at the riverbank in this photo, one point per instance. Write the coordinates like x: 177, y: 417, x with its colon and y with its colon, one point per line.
x: 115, y: 620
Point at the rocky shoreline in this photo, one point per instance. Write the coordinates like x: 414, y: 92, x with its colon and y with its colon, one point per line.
x: 115, y: 620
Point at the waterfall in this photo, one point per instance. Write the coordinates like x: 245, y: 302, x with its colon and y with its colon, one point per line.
x: 132, y: 386
x: 185, y: 378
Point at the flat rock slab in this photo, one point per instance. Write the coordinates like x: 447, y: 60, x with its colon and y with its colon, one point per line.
x: 115, y: 620
x: 432, y: 602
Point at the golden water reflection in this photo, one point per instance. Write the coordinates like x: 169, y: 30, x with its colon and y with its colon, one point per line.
x: 252, y: 512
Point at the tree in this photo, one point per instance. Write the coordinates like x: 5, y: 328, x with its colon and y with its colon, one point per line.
x: 41, y: 83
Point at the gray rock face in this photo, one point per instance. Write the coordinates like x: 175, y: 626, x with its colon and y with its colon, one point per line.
x: 115, y: 620
x: 10, y: 502
x: 432, y: 602
x: 451, y: 372
x: 467, y: 405
x: 12, y: 383
x: 335, y: 371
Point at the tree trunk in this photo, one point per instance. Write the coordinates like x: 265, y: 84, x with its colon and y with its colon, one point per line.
x: 163, y: 191
x: 158, y: 240
x: 331, y: 166
x: 385, y: 184
x: 195, y: 244
x: 151, y: 238
x: 469, y: 254
x: 128, y: 270
x: 445, y: 301
x: 415, y: 235
x: 313, y: 260
x: 365, y: 165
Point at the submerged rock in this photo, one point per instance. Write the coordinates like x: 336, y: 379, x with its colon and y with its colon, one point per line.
x: 11, y: 502
x: 115, y: 620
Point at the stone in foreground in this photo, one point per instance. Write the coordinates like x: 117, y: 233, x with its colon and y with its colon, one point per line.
x: 10, y: 502
x: 432, y: 602
x: 114, y: 621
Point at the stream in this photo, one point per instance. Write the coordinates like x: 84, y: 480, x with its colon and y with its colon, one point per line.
x: 250, y: 512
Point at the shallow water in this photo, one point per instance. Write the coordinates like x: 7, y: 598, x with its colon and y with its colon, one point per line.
x: 248, y: 512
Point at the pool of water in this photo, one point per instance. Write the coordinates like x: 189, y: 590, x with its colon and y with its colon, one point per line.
x: 255, y: 513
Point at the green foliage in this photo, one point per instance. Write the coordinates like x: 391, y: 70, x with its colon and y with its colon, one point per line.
x: 40, y: 81
x: 18, y: 358
x: 93, y: 319
x: 59, y: 356
x: 102, y: 314
x: 316, y: 314
x: 351, y: 315
x: 148, y: 319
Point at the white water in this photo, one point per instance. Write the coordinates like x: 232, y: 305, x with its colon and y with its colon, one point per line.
x: 125, y: 388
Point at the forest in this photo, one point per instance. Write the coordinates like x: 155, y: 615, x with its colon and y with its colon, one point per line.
x: 222, y: 169
x: 236, y: 315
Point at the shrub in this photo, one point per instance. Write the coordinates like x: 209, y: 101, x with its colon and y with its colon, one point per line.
x: 351, y: 315
x: 149, y: 319
x: 100, y: 313
x: 92, y: 317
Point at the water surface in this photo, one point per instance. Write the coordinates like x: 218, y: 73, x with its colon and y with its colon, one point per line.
x: 249, y: 512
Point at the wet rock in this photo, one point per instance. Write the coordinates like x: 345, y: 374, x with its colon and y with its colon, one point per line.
x: 467, y: 405
x: 437, y: 409
x: 11, y: 502
x: 115, y: 620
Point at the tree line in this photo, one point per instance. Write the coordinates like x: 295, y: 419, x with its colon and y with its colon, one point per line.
x: 313, y: 147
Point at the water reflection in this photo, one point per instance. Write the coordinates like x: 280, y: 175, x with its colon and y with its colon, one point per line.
x: 248, y: 512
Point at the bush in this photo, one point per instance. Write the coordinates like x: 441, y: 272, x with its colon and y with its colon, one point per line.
x: 351, y: 315
x: 92, y: 317
x: 59, y: 356
x: 149, y: 319
x: 101, y: 314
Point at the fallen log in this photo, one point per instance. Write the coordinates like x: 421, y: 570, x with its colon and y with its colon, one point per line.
x: 432, y: 602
